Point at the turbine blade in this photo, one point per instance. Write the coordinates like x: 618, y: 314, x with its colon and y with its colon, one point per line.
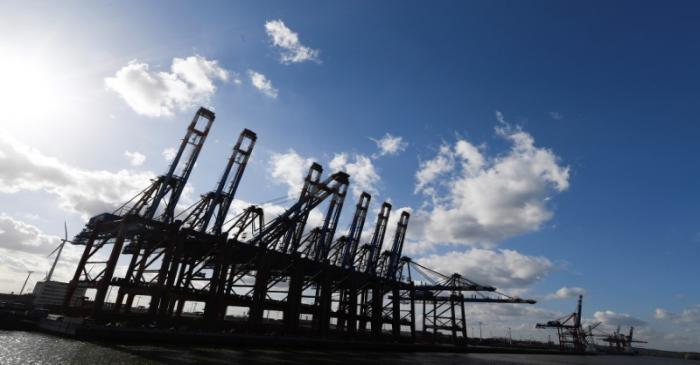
x: 55, y: 249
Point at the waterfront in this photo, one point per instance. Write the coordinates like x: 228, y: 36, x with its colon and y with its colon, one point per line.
x: 36, y: 348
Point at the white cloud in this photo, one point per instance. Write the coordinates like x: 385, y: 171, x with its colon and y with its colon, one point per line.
x: 689, y: 315
x: 502, y: 312
x: 500, y: 118
x: 169, y: 154
x: 478, y: 199
x: 135, y: 158
x: 21, y: 236
x: 686, y: 326
x: 501, y: 268
x: 32, y: 216
x: 390, y: 145
x: 556, y: 115
x: 289, y: 168
x: 431, y: 169
x: 261, y: 83
x: 614, y: 319
x: 237, y: 79
x: 78, y: 190
x: 25, y: 247
x: 363, y: 175
x: 566, y: 293
x: 191, y: 81
x: 661, y: 313
x: 471, y: 158
x: 292, y: 51
x: 685, y: 335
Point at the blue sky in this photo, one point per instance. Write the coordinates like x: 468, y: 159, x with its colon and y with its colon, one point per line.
x: 606, y: 93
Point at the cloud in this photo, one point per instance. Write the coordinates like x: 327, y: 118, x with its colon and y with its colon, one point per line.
x: 503, y: 312
x: 289, y: 168
x: 500, y: 118
x: 20, y: 236
x: 686, y: 325
x: 169, y: 154
x: 261, y: 83
x: 614, y: 319
x: 429, y: 170
x: 661, y: 313
x: 135, y: 158
x: 501, y: 268
x: 32, y: 216
x: 191, y: 81
x: 481, y: 200
x: 83, y: 191
x: 237, y: 79
x: 291, y: 50
x: 556, y: 115
x: 390, y: 145
x: 566, y: 293
x: 363, y: 175
x: 24, y: 247
x: 689, y: 315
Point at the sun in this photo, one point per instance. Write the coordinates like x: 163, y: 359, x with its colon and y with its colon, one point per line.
x: 30, y: 86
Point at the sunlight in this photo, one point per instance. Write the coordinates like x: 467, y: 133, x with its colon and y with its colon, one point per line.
x: 29, y: 87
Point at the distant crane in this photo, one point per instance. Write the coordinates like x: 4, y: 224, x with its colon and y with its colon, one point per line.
x: 619, y: 342
x: 590, y: 334
x: 572, y: 336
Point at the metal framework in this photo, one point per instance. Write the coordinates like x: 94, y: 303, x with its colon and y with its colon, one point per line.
x: 281, y: 276
x: 572, y: 336
x: 618, y: 341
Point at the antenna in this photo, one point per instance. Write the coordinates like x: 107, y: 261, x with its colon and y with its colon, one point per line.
x: 59, y: 249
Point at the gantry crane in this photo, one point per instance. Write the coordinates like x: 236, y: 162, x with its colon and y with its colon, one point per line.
x: 141, y: 223
x: 619, y: 342
x: 572, y: 336
x: 208, y: 255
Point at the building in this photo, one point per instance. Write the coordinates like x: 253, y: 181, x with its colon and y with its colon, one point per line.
x: 52, y: 293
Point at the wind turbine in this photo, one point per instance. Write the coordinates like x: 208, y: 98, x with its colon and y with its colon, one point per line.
x: 25, y: 282
x: 59, y: 249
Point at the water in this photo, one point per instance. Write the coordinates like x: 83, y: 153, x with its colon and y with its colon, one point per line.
x: 36, y: 348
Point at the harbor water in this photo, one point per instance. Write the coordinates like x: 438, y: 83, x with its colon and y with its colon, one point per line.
x: 35, y: 348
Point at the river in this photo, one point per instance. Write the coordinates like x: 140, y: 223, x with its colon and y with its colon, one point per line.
x: 36, y: 348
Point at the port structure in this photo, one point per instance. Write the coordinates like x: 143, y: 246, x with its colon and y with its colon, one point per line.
x: 572, y: 336
x: 618, y: 342
x: 310, y: 282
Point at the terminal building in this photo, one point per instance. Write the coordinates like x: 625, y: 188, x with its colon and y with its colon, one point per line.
x: 52, y: 293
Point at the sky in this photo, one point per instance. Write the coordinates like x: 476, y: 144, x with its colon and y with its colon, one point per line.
x: 547, y: 148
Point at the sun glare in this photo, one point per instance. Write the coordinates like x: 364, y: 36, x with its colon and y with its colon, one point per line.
x: 29, y: 86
